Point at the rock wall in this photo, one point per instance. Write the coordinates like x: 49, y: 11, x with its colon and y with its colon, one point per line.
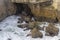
x: 2, y: 10
x: 6, y: 8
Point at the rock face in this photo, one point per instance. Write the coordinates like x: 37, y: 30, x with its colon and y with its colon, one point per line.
x: 6, y: 8
x: 10, y: 7
x: 2, y: 10
x: 44, y: 13
x: 51, y: 30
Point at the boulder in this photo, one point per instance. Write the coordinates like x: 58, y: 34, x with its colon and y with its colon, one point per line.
x: 51, y: 30
x: 35, y: 33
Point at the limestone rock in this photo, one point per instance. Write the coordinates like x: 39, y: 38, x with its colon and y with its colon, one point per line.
x: 20, y: 20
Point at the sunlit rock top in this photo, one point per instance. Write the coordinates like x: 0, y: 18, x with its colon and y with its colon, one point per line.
x: 29, y: 1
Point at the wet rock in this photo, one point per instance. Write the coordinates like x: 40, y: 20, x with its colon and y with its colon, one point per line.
x: 28, y: 35
x: 22, y: 26
x: 8, y: 39
x: 0, y: 29
x: 51, y: 30
x: 20, y: 20
x: 41, y: 28
x: 35, y: 24
x: 47, y: 34
x: 35, y: 33
x: 27, y: 19
x: 19, y: 26
x: 31, y: 25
